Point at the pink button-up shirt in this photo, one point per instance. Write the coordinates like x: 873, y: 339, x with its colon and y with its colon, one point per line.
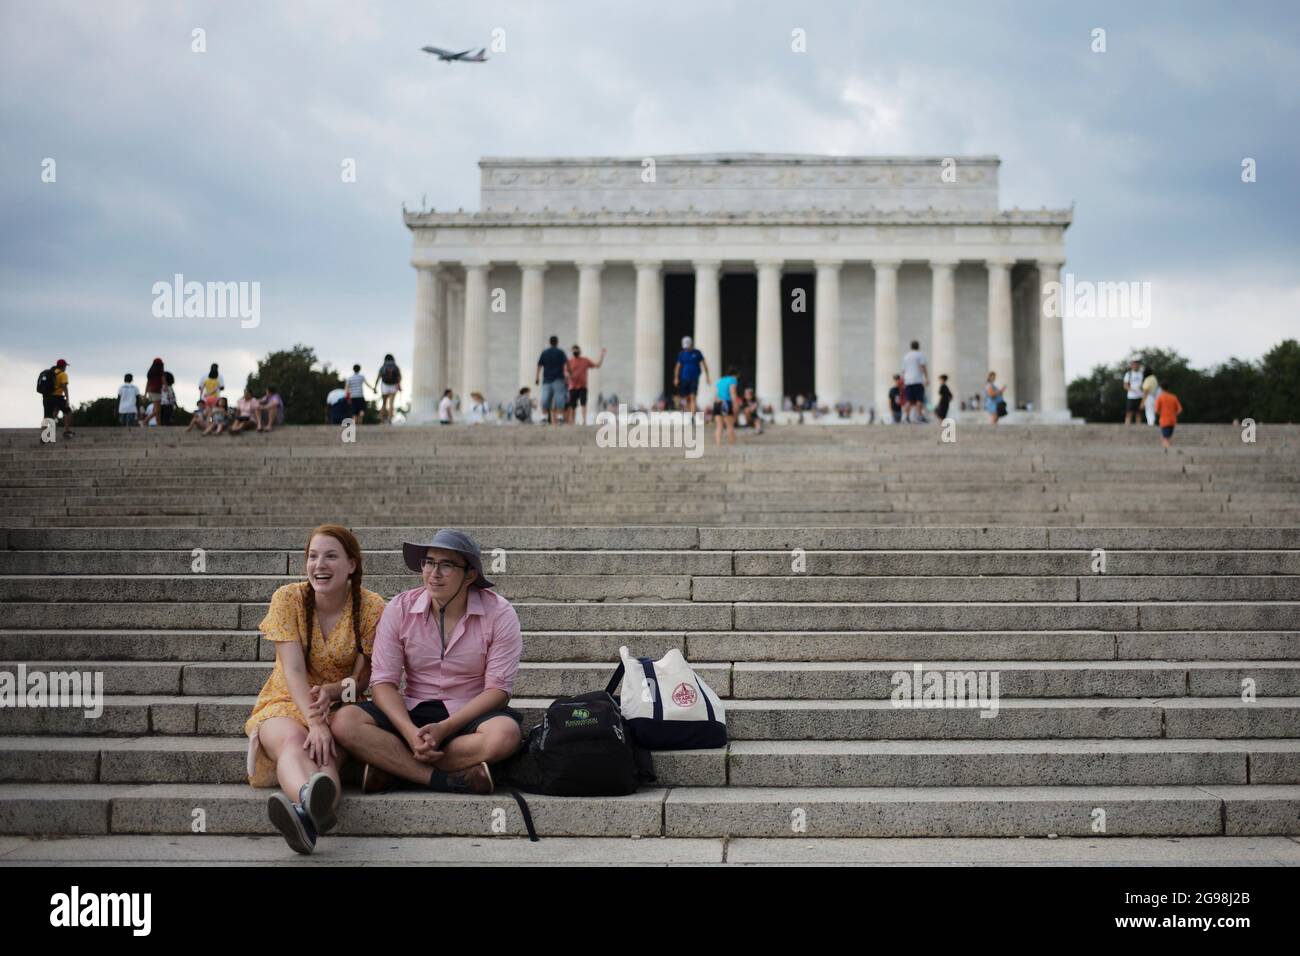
x: 482, y: 651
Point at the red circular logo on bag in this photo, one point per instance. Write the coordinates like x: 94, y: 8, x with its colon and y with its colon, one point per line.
x: 684, y: 695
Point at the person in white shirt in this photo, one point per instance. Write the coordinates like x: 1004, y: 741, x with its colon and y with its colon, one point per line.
x: 444, y: 408
x: 1133, y: 394
x: 128, y: 397
x: 336, y: 406
x: 478, y: 410
x: 356, y: 388
x: 916, y: 376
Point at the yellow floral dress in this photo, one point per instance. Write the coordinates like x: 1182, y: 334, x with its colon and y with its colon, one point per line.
x: 332, y: 659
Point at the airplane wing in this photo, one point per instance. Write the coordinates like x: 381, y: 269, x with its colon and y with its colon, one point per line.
x: 444, y: 54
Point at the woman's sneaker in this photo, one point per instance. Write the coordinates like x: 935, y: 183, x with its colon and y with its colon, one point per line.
x: 293, y: 822
x: 319, y: 796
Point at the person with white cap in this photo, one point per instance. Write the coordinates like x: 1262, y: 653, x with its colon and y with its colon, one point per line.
x: 686, y: 373
x: 1133, y: 391
x: 458, y: 645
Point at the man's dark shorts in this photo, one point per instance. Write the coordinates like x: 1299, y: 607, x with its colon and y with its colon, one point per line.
x: 433, y: 711
x: 1132, y: 404
x: 55, y: 404
x: 1167, y: 431
x: 577, y: 396
x: 687, y: 386
x: 914, y: 393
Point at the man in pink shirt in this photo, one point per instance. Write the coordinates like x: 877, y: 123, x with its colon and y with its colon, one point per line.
x: 575, y: 374
x: 458, y: 645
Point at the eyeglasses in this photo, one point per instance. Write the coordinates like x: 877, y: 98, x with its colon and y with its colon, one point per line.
x: 441, y: 567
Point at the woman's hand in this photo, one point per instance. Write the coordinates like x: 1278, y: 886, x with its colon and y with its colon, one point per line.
x: 320, y: 702
x: 319, y: 743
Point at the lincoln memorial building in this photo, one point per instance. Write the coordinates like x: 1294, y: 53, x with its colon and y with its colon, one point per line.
x: 810, y: 274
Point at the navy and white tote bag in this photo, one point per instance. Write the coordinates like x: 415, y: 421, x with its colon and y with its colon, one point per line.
x: 667, y: 705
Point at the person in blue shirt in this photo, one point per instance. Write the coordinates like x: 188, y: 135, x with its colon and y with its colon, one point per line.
x: 724, y: 409
x: 550, y: 375
x: 686, y: 374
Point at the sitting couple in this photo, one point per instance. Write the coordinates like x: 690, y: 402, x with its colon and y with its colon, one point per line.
x: 456, y: 643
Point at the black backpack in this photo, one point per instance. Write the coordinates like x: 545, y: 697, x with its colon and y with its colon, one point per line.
x: 580, y: 749
x: 45, y: 381
x: 388, y: 373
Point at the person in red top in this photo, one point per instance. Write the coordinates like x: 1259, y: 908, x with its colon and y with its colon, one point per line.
x: 1168, y: 408
x: 575, y: 372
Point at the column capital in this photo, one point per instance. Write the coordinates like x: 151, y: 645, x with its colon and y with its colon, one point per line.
x: 999, y: 262
x: 476, y: 264
x: 941, y: 263
x: 538, y: 265
x: 714, y: 264
x: 655, y: 264
x: 828, y: 264
x: 590, y: 264
x: 1050, y: 262
x: 879, y: 264
x: 769, y: 263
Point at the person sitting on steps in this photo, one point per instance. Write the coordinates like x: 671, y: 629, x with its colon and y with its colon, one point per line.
x: 458, y: 644
x: 324, y: 631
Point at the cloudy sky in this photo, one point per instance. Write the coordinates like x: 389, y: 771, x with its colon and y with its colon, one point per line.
x: 225, y: 164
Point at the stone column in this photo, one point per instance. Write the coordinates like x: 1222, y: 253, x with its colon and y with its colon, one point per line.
x: 531, y: 304
x: 826, y: 333
x: 474, y: 344
x: 589, y: 324
x: 1002, y: 343
x: 453, y: 331
x: 427, y: 352
x: 708, y: 316
x: 889, y: 358
x: 648, y: 370
x: 769, y: 374
x: 1051, y: 343
x: 943, y: 326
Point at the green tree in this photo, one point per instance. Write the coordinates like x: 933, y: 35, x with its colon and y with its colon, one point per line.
x: 301, y: 384
x: 1278, y: 396
x: 1268, y: 390
x: 96, y: 414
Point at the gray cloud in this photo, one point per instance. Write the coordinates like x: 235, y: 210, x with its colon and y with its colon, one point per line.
x: 225, y: 165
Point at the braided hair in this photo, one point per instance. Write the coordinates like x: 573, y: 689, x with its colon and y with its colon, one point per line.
x: 352, y: 548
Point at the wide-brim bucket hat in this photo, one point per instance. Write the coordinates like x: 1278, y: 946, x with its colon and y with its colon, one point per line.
x: 450, y: 539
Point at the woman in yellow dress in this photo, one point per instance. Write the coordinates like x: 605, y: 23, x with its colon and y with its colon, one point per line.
x: 288, y: 731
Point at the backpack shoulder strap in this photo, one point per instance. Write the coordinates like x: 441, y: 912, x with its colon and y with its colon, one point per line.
x: 524, y: 812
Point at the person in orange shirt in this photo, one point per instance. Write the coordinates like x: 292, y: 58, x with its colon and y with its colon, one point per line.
x: 1168, y: 408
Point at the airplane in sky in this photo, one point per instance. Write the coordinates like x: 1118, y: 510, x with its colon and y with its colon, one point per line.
x: 464, y: 56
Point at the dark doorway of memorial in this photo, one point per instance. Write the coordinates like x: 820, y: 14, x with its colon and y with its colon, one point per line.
x: 738, y: 308
x: 679, y: 320
x: 797, y: 310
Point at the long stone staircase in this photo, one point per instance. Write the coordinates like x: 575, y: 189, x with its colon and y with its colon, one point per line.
x: 1139, y: 611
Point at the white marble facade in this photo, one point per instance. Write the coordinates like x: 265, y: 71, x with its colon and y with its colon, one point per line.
x: 894, y: 248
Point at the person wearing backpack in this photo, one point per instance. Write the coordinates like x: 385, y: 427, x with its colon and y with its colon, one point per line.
x: 388, y: 383
x: 457, y: 645
x: 52, y: 384
x: 522, y: 410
